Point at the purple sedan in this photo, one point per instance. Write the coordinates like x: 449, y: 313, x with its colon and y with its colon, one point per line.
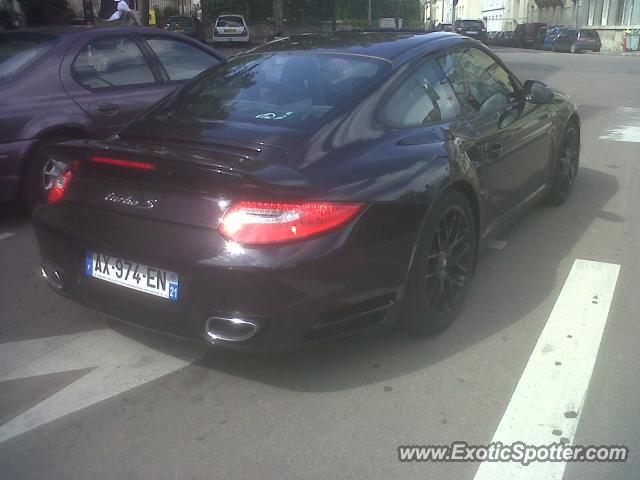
x: 77, y: 82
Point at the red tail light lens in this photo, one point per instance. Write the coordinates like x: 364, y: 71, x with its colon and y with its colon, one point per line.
x: 123, y: 163
x: 261, y: 223
x: 60, y: 184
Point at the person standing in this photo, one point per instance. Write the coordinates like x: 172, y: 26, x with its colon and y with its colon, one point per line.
x: 123, y: 11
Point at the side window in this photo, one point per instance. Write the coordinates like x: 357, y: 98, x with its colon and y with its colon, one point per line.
x: 180, y: 60
x: 480, y: 83
x: 111, y: 62
x: 425, y: 96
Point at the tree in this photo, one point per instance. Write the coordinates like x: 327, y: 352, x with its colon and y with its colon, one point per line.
x: 278, y: 15
x: 107, y: 7
x: 46, y: 12
x: 144, y: 12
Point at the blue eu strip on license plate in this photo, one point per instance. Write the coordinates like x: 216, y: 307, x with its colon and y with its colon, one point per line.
x: 136, y: 276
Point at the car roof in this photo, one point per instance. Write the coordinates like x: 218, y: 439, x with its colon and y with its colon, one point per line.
x: 387, y: 45
x: 79, y: 30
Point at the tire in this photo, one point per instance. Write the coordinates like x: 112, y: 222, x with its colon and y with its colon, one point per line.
x: 553, y: 47
x: 38, y: 180
x: 442, y: 268
x: 573, y: 48
x: 566, y: 167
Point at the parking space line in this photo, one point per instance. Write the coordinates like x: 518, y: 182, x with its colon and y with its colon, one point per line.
x: 115, y: 362
x: 547, y: 402
x: 5, y: 235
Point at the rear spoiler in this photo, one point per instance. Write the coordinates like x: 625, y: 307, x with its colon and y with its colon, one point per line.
x: 179, y: 160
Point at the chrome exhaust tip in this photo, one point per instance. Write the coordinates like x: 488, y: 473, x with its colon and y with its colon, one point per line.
x: 53, y: 276
x: 229, y: 329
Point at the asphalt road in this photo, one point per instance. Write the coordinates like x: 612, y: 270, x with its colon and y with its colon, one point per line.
x: 82, y: 398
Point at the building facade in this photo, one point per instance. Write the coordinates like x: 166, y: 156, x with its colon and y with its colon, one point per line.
x: 493, y: 14
x: 469, y: 10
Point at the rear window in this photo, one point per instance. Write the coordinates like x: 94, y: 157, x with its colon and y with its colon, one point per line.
x: 591, y: 34
x: 531, y: 28
x: 289, y: 89
x: 231, y: 21
x: 180, y: 21
x: 19, y: 50
x: 471, y: 24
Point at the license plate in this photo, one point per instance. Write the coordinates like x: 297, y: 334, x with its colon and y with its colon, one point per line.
x: 229, y: 30
x: 143, y: 278
x: 179, y: 30
x: 472, y: 31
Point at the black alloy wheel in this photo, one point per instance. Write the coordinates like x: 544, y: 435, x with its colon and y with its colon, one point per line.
x: 443, y: 266
x: 566, y: 168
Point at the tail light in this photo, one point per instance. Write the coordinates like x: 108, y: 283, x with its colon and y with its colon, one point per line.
x: 261, y: 223
x: 60, y: 184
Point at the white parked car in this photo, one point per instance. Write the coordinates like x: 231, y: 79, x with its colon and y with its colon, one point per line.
x: 231, y: 28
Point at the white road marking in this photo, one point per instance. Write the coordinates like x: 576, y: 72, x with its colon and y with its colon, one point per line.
x: 497, y: 244
x: 5, y: 235
x: 628, y: 129
x: 119, y: 362
x: 548, y: 390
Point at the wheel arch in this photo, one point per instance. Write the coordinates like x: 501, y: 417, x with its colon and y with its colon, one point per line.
x: 67, y: 131
x: 465, y: 188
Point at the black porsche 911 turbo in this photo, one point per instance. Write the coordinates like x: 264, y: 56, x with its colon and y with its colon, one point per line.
x: 312, y: 187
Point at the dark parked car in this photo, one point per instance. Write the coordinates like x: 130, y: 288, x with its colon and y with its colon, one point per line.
x: 471, y: 28
x: 552, y: 35
x: 525, y: 34
x: 576, y: 41
x: 492, y: 38
x: 540, y: 37
x: 505, y: 39
x: 313, y: 187
x: 444, y: 27
x: 191, y: 27
x: 79, y: 82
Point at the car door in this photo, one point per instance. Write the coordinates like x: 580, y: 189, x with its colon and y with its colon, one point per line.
x: 512, y: 136
x: 565, y: 40
x: 179, y: 60
x: 112, y: 80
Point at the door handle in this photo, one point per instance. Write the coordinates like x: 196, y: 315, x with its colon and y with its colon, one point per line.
x: 109, y: 108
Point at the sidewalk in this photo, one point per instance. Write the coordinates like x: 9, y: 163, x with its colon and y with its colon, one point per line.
x: 634, y: 53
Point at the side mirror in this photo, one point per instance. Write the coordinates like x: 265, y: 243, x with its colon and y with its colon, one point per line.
x: 537, y: 92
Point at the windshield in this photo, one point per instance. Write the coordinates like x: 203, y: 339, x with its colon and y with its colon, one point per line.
x: 232, y: 21
x: 289, y: 89
x: 19, y: 50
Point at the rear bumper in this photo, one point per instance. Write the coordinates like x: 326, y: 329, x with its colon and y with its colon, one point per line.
x: 587, y: 47
x: 12, y: 158
x: 231, y: 38
x: 477, y: 36
x: 341, y: 283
